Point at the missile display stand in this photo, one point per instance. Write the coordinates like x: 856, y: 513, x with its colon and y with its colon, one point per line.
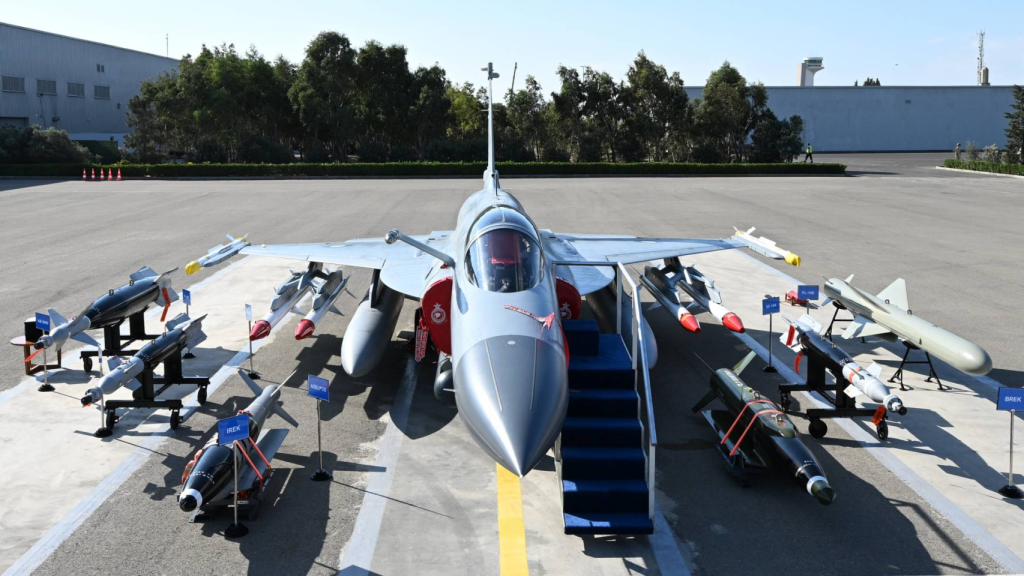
x: 742, y: 464
x: 836, y: 319
x: 248, y: 507
x: 898, y: 376
x: 145, y: 396
x: 844, y: 406
x: 114, y: 342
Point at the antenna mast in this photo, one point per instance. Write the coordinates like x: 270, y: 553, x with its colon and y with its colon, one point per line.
x: 981, y: 57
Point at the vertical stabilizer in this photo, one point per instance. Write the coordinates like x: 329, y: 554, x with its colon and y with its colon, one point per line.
x: 896, y: 294
x: 491, y: 174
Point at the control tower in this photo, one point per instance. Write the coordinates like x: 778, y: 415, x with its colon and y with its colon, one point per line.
x: 810, y: 65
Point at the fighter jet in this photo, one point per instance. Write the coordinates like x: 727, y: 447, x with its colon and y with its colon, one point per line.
x: 493, y: 292
x: 889, y: 317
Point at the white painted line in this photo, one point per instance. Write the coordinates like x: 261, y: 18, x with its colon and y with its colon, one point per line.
x: 357, y: 556
x: 974, y: 531
x: 666, y: 548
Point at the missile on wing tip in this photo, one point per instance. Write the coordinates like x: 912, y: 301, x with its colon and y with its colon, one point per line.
x: 767, y: 247
x: 217, y: 254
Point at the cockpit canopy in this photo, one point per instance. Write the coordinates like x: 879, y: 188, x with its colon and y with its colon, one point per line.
x: 504, y: 254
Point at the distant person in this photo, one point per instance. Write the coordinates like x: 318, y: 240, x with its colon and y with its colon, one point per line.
x: 809, y: 155
x: 957, y: 151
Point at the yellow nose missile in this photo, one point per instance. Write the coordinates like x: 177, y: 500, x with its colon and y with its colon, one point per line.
x: 791, y: 259
x: 195, y: 266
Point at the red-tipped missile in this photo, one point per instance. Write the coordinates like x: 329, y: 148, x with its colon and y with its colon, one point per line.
x: 689, y: 322
x: 305, y: 329
x: 260, y: 330
x: 733, y: 322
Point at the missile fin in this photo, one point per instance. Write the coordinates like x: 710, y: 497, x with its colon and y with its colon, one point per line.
x: 249, y: 382
x: 707, y: 399
x: 738, y: 368
x: 142, y: 273
x: 861, y: 327
x: 113, y: 362
x: 285, y: 416
x: 336, y: 311
x: 133, y: 384
x: 896, y: 294
x: 55, y: 318
x: 85, y: 339
x: 875, y: 370
x: 849, y: 279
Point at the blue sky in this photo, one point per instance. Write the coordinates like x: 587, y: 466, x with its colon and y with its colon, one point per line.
x: 900, y: 42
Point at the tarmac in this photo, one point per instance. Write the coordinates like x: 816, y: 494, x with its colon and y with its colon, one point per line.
x: 411, y: 492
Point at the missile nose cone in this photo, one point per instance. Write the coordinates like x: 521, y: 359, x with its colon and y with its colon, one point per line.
x: 822, y: 492
x: 260, y: 330
x: 193, y: 267
x: 690, y: 323
x: 733, y: 322
x: 304, y: 329
x: 975, y: 360
x: 513, y: 412
x: 188, y: 503
x: 792, y: 259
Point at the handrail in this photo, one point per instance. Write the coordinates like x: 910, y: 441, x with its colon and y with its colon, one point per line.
x: 638, y: 357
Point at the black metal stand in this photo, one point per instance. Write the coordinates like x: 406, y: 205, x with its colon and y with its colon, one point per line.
x: 836, y: 319
x: 320, y: 474
x: 114, y: 343
x: 898, y: 376
x: 146, y: 395
x: 248, y: 509
x: 845, y: 407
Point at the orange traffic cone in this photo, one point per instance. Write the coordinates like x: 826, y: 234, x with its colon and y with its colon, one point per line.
x: 93, y: 173
x: 118, y: 174
x: 83, y: 174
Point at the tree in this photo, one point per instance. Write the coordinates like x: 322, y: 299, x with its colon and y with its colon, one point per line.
x: 324, y: 92
x: 526, y: 115
x: 383, y: 94
x: 776, y: 140
x: 430, y: 113
x: 468, y: 113
x: 652, y: 99
x: 568, y: 105
x: 728, y: 113
x: 1015, y: 129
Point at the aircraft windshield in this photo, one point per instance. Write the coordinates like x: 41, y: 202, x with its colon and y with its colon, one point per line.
x: 504, y: 260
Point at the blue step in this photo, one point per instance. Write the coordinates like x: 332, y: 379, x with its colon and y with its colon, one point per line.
x: 596, y: 432
x: 586, y: 463
x: 580, y: 496
x: 604, y: 523
x: 583, y: 337
x: 608, y: 403
x: 611, y: 368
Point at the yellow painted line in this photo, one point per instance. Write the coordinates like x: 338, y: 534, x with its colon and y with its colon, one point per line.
x: 511, y: 529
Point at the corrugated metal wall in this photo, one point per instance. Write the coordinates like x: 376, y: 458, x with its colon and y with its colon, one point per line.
x: 35, y: 55
x: 893, y: 118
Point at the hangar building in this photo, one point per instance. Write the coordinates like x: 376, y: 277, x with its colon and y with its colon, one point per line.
x: 79, y: 86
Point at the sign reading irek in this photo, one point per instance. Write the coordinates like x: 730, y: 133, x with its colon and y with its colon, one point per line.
x: 233, y: 429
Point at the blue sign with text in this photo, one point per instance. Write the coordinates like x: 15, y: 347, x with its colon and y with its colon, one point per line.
x: 769, y: 306
x: 42, y: 322
x: 186, y: 297
x: 1010, y: 399
x: 318, y: 388
x: 233, y: 429
x: 807, y: 292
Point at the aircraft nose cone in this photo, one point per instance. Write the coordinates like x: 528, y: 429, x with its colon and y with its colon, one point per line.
x: 512, y: 393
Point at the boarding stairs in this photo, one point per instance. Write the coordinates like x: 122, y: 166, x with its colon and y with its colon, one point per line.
x: 606, y: 449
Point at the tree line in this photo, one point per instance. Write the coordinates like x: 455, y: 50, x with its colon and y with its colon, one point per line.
x: 341, y: 102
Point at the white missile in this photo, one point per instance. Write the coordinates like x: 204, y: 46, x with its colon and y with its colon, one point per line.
x: 766, y: 247
x: 289, y: 293
x: 323, y: 300
x: 218, y: 254
x: 699, y: 288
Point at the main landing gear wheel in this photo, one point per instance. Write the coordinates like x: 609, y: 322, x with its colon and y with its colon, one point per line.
x: 175, y: 419
x: 882, y: 429
x: 817, y: 429
x: 87, y: 364
x: 201, y: 396
x: 785, y: 401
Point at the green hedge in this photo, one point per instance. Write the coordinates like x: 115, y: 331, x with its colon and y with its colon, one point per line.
x: 981, y: 166
x: 399, y: 169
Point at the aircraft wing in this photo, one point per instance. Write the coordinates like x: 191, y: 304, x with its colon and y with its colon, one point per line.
x: 632, y: 249
x: 403, y: 267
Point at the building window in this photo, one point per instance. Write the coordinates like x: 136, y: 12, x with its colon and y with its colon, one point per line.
x: 101, y: 68
x: 76, y: 90
x: 12, y: 84
x: 101, y: 92
x: 46, y: 87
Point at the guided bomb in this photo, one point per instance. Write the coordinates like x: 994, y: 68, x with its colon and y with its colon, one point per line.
x: 754, y: 433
